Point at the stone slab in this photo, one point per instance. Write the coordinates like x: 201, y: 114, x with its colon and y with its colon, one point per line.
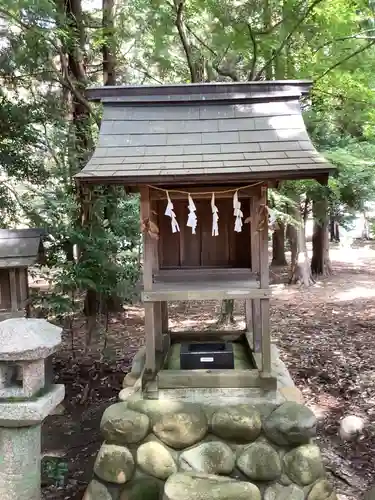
x: 222, y: 397
x: 24, y: 413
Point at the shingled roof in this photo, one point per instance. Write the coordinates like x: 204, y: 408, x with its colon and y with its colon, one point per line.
x: 203, y: 132
x: 20, y: 247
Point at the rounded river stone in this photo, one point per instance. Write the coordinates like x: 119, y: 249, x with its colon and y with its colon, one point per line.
x: 125, y: 394
x: 96, y: 491
x: 129, y: 380
x: 138, y: 362
x: 280, y: 492
x: 156, y: 408
x: 260, y: 462
x: 213, y: 457
x: 114, y: 464
x: 322, y: 490
x: 154, y: 459
x: 180, y: 430
x: 188, y: 486
x: 370, y: 494
x: 304, y: 465
x: 290, y: 424
x: 144, y: 488
x: 123, y: 426
x: 238, y: 423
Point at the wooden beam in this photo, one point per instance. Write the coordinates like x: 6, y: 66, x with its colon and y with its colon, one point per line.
x: 183, y: 294
x: 203, y: 192
x: 181, y: 379
x: 203, y: 274
x: 205, y: 335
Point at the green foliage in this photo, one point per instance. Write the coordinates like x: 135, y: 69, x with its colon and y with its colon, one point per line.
x: 50, y: 54
x: 354, y: 184
x: 55, y: 470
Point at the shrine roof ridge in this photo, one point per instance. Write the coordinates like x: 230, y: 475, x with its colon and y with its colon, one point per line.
x: 198, y: 92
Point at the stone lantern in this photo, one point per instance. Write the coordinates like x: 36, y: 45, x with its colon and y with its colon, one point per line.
x: 26, y: 399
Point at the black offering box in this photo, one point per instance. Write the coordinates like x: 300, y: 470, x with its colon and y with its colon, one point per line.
x: 206, y: 355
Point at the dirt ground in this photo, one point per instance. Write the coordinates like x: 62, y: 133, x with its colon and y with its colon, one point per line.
x: 326, y: 336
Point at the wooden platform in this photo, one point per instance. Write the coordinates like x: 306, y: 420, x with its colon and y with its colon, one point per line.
x: 207, y: 290
x: 205, y: 284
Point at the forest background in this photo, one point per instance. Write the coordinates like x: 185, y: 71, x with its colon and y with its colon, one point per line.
x: 52, y: 50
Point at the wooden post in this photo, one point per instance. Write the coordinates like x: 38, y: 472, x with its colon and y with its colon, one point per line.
x: 157, y: 305
x: 22, y: 276
x: 264, y: 283
x: 164, y: 317
x: 13, y: 290
x: 148, y: 263
x: 255, y: 267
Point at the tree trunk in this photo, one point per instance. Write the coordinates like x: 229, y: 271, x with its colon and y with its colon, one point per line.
x: 320, y: 262
x: 366, y: 226
x: 74, y: 47
x: 300, y: 266
x: 291, y: 234
x: 226, y: 317
x: 306, y: 205
x: 109, y: 44
x: 267, y: 21
x: 278, y: 246
x: 332, y: 232
x: 73, y: 65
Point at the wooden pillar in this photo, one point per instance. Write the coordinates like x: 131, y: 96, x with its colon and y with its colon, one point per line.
x: 264, y: 283
x: 13, y: 290
x: 22, y: 273
x: 148, y: 264
x: 164, y: 317
x: 157, y: 305
x: 254, y: 305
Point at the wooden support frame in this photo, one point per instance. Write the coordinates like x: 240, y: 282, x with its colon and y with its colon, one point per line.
x: 164, y: 317
x: 153, y: 326
x: 204, y: 293
x: 200, y: 193
x: 13, y: 290
x: 264, y: 282
x: 150, y: 386
x: 206, y: 335
x: 23, y: 285
x: 252, y: 307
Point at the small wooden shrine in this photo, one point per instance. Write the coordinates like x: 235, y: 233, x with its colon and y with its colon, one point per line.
x: 19, y: 249
x: 202, y: 157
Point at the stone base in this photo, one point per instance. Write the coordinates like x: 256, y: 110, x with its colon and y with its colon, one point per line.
x: 20, y: 463
x: 209, y: 444
x: 176, y: 450
x: 31, y: 412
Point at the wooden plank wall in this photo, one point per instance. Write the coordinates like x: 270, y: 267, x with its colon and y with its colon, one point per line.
x: 181, y: 250
x: 13, y: 289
